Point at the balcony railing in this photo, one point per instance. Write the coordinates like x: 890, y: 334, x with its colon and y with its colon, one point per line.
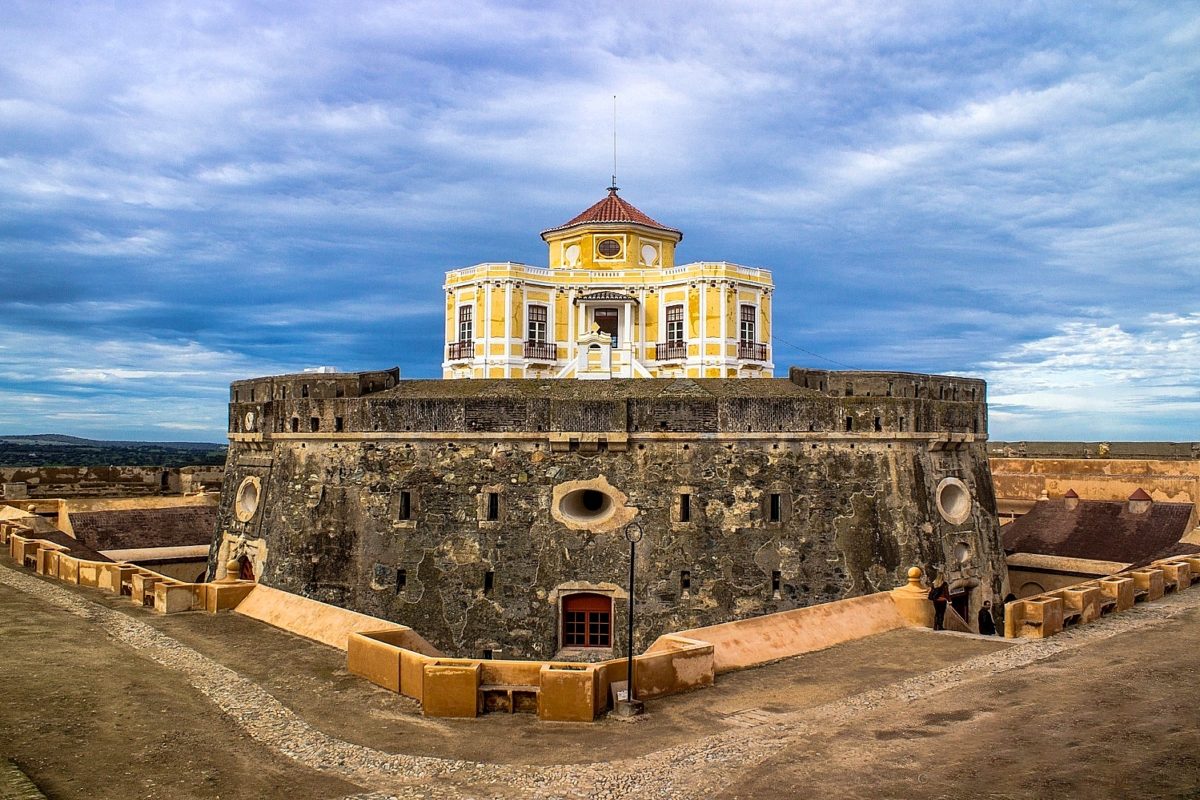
x: 667, y: 351
x: 546, y: 351
x: 752, y: 351
x: 461, y: 351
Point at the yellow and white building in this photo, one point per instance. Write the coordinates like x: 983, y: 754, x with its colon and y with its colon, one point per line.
x: 611, y: 304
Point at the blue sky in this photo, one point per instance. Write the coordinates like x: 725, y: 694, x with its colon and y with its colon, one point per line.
x: 192, y: 193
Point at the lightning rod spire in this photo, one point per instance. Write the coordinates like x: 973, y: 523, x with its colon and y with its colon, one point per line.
x: 613, y: 185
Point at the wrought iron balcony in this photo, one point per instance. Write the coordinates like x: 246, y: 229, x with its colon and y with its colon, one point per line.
x: 752, y: 351
x: 668, y: 351
x: 461, y: 351
x: 546, y: 351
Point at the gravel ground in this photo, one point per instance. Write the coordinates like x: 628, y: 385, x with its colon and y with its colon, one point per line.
x: 696, y: 769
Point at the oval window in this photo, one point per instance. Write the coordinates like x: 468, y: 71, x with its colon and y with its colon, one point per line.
x: 609, y: 247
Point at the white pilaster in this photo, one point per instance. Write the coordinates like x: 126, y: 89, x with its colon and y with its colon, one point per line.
x: 508, y: 293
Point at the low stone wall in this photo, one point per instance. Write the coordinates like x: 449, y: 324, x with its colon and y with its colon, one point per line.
x: 1048, y: 613
x: 750, y: 642
x: 143, y: 586
x: 560, y: 691
x: 573, y: 691
x: 101, y: 482
x: 311, y: 619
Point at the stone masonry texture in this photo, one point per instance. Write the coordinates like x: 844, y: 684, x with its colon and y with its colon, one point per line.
x: 374, y: 495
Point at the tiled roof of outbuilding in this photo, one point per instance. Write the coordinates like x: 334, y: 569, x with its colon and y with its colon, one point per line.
x: 1102, y: 530
x: 145, y: 527
x: 612, y: 209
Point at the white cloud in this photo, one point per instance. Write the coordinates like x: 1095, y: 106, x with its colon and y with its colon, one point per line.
x: 1097, y: 371
x: 927, y: 187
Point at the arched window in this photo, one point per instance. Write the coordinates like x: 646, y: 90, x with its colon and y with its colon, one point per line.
x: 587, y: 620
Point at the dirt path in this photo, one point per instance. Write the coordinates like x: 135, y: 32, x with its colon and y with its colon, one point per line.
x: 812, y: 721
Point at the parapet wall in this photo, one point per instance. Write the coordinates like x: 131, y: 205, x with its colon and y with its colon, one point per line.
x: 1154, y: 451
x: 810, y: 401
x: 118, y: 481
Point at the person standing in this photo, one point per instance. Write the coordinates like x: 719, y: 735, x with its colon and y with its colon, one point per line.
x: 939, y: 593
x: 987, y: 623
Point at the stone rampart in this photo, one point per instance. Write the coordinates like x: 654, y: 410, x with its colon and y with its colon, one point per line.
x: 474, y: 511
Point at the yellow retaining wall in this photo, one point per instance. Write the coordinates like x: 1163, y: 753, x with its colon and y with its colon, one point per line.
x: 451, y: 688
x: 758, y: 640
x: 144, y: 586
x: 1048, y: 613
x: 225, y: 596
x: 674, y: 663
x: 568, y: 692
x: 378, y: 656
x: 309, y: 618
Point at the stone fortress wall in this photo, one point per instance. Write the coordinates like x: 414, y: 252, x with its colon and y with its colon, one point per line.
x: 17, y: 483
x: 472, y: 510
x: 1023, y: 472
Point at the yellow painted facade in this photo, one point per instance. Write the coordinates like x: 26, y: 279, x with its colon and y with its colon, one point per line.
x: 611, y: 304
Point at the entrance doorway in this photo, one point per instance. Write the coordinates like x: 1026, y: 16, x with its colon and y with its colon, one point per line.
x: 606, y: 320
x: 587, y: 620
x: 960, y: 601
x: 245, y: 569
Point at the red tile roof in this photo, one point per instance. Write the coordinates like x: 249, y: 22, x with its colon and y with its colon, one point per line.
x: 1140, y: 494
x: 1071, y: 493
x: 612, y: 209
x: 1104, y: 530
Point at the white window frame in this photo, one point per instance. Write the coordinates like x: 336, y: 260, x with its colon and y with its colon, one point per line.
x: 529, y: 323
x: 470, y: 322
x: 742, y: 322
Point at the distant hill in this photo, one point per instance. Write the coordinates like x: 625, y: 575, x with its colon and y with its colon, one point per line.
x: 57, y: 450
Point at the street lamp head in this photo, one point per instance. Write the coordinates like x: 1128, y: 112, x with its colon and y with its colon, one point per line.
x: 633, y: 532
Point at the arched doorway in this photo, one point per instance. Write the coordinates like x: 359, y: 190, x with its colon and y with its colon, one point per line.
x: 587, y: 620
x: 245, y: 569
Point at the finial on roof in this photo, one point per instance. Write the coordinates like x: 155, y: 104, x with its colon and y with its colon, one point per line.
x: 612, y: 189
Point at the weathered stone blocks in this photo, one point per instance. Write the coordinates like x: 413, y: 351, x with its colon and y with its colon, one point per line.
x: 461, y: 508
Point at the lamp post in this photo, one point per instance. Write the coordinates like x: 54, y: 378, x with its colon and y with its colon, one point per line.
x: 631, y: 706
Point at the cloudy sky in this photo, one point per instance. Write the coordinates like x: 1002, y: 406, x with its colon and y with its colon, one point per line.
x: 196, y: 192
